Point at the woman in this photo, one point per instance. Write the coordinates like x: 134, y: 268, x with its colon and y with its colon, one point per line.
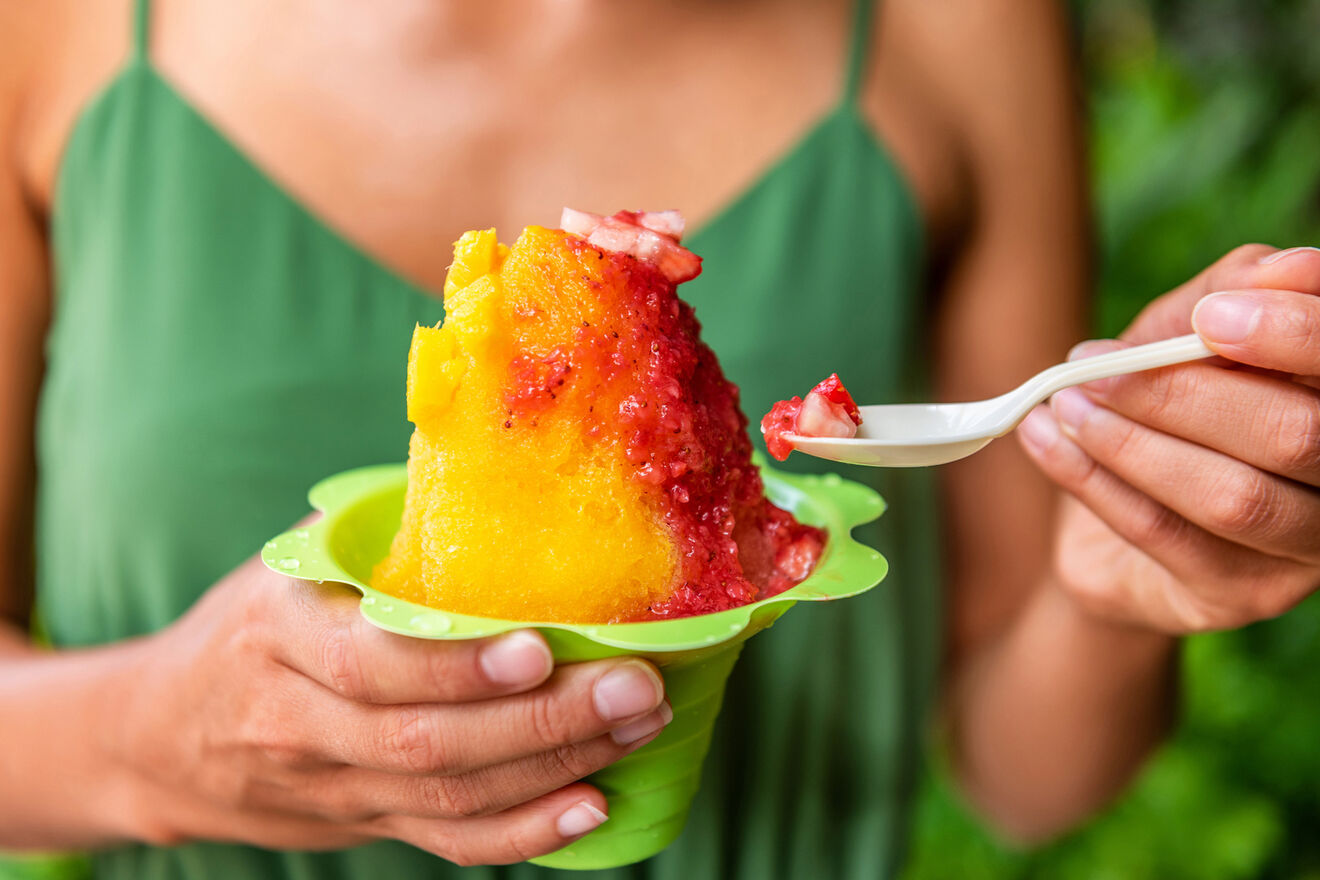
x: 220, y: 221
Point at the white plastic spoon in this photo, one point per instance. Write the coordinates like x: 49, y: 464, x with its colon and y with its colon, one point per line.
x: 921, y: 434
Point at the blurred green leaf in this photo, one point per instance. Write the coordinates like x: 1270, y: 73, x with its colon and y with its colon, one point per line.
x: 44, y: 868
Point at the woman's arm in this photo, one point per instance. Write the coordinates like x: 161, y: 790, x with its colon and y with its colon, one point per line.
x: 24, y: 313
x: 1050, y: 710
x: 271, y: 713
x: 274, y: 714
x: 32, y: 722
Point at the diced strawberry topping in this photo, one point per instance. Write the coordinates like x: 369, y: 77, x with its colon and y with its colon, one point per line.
x: 670, y: 223
x: 821, y: 417
x: 827, y: 411
x: 781, y: 420
x: 652, y: 236
x: 578, y: 222
x: 833, y: 390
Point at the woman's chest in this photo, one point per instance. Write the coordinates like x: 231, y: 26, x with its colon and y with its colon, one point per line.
x: 400, y: 124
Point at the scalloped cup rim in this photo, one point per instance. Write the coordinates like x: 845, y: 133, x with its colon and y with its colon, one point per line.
x: 846, y: 568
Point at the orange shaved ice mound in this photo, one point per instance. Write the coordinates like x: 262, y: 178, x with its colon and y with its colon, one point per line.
x: 578, y: 454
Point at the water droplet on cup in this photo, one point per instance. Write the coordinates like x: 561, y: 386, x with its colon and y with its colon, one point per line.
x: 271, y: 545
x: 300, y: 534
x: 387, y: 608
x: 369, y: 600
x: 289, y: 563
x: 431, y: 623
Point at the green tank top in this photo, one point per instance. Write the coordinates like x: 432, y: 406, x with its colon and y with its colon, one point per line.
x: 216, y: 349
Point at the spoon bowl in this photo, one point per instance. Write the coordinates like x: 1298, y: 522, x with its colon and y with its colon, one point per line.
x: 924, y: 434
x: 906, y: 435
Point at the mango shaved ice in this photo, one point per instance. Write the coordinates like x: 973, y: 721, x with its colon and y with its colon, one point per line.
x: 578, y: 455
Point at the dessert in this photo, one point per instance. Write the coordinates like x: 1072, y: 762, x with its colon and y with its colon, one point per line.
x: 827, y: 411
x: 578, y: 454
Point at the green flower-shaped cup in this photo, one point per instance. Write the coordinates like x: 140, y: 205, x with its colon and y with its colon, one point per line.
x: 650, y: 791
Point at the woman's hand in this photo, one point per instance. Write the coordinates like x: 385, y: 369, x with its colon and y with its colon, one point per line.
x: 1196, y: 505
x: 274, y: 714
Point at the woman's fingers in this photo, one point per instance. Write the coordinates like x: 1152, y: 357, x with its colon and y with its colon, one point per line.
x: 530, y: 829
x: 1181, y: 547
x: 580, y: 702
x: 1212, y: 582
x: 1224, y: 496
x: 330, y: 642
x: 1249, y: 266
x: 515, y: 835
x: 352, y: 793
x: 1274, y: 329
x: 1197, y: 483
x: 1262, y: 420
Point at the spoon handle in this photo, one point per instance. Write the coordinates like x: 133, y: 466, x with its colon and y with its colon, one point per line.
x: 1165, y: 353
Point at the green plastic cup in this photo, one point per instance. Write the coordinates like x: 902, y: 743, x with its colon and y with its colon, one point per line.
x: 650, y: 791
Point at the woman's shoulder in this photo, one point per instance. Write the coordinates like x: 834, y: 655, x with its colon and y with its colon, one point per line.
x: 55, y: 55
x: 969, y: 79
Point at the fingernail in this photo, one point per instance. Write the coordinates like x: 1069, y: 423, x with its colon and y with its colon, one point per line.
x: 643, y: 727
x: 1227, y: 318
x: 518, y: 658
x: 579, y: 819
x: 1072, y: 407
x: 1039, y: 429
x: 1285, y: 254
x: 1091, y: 348
x: 626, y: 690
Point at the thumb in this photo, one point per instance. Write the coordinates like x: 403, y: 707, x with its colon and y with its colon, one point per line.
x: 1274, y: 329
x: 1251, y: 266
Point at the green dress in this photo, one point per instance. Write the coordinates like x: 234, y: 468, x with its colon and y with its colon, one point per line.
x: 216, y: 349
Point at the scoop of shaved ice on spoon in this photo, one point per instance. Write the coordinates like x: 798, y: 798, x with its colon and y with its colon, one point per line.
x: 827, y: 411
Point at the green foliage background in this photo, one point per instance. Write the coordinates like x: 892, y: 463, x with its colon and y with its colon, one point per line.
x: 1205, y: 134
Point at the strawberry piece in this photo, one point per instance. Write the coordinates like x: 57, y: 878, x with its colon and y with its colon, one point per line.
x: 827, y: 411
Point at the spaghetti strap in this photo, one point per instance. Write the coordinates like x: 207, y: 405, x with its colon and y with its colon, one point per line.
x: 141, y: 29
x: 859, y: 48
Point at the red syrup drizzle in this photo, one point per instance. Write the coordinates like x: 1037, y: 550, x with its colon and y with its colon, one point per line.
x: 781, y: 420
x: 684, y: 433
